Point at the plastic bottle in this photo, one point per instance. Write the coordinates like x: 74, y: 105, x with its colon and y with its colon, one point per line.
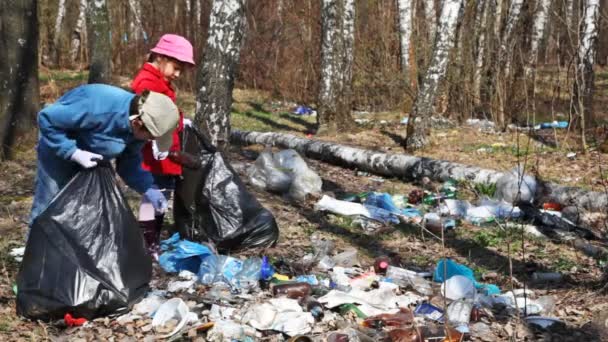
x: 406, y: 278
x: 381, y: 264
x: 402, y: 318
x: 293, y: 291
x: 459, y: 312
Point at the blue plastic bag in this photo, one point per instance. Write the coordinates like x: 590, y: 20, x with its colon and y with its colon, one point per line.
x: 182, y: 255
x: 453, y: 268
x: 386, y: 202
x: 303, y: 110
x: 382, y: 200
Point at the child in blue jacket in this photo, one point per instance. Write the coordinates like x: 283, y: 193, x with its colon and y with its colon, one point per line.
x: 101, y: 122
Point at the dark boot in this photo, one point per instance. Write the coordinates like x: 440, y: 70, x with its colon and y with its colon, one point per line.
x: 150, y: 237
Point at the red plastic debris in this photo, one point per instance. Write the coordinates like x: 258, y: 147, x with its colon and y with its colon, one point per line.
x: 73, y: 322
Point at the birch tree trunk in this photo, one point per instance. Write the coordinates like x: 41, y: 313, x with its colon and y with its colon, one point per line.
x: 480, y: 23
x: 506, y: 46
x: 215, y: 80
x: 57, y: 33
x: 584, y: 75
x: 77, y: 34
x: 408, y: 167
x: 538, y: 32
x: 136, y: 28
x: 188, y: 17
x: 423, y: 106
x: 19, y: 89
x: 431, y: 18
x: 337, y: 52
x: 100, y: 48
x: 405, y: 35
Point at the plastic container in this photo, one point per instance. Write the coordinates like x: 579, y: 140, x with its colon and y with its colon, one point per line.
x: 293, y: 291
x: 403, y: 277
x: 459, y: 313
x: 348, y: 258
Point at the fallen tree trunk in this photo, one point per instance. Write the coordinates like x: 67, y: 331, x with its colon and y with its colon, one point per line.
x: 410, y: 167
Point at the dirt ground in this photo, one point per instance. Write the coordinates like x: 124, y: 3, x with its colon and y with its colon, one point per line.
x: 580, y: 303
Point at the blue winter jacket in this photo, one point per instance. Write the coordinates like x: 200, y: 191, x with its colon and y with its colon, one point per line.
x: 93, y: 118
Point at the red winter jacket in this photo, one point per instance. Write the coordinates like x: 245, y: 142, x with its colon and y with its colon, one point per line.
x: 150, y: 78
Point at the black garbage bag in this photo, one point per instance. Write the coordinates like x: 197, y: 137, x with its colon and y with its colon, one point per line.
x: 213, y: 205
x: 85, y: 254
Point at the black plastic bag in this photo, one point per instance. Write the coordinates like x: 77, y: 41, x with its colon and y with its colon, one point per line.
x: 212, y: 203
x: 85, y: 254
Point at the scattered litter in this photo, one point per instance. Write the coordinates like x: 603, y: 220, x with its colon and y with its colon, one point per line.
x: 304, y: 110
x: 173, y: 309
x: 17, y: 253
x: 280, y: 314
x: 542, y: 322
x: 353, y: 209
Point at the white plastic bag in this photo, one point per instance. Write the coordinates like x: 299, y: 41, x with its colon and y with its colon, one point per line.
x: 266, y: 174
x: 305, y: 181
x: 511, y: 183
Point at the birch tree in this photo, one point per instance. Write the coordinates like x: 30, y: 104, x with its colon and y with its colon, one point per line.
x: 77, y: 34
x: 538, y: 32
x: 480, y: 23
x: 136, y: 27
x: 19, y: 90
x: 100, y: 49
x: 215, y: 80
x: 507, y: 41
x: 431, y: 18
x: 584, y: 75
x: 405, y: 33
x: 423, y: 106
x: 54, y: 48
x: 337, y: 44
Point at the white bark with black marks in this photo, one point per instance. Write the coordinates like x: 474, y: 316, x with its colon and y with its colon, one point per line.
x: 215, y: 79
x: 423, y: 106
x: 431, y: 18
x: 100, y: 45
x: 405, y: 32
x: 136, y: 28
x: 57, y: 33
x: 409, y: 167
x: 78, y: 33
x: 583, y: 90
x: 337, y: 53
x: 507, y: 41
x: 19, y: 88
x: 480, y: 23
x: 538, y: 32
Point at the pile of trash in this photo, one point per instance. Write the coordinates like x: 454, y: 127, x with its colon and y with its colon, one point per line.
x: 435, y: 210
x: 333, y: 298
x: 485, y: 125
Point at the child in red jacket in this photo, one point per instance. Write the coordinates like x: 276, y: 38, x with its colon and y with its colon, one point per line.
x: 167, y: 60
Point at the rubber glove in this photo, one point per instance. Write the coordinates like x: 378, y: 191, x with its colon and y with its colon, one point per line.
x: 85, y: 158
x: 158, y: 200
x: 158, y: 155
